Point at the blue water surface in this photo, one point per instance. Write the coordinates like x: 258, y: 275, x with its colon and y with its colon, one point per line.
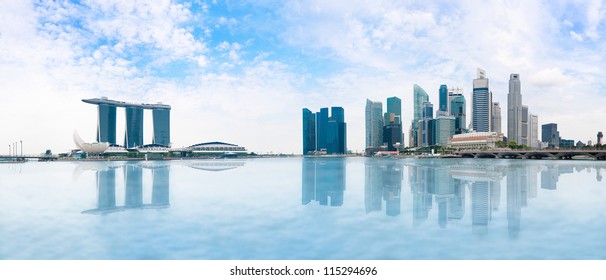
x: 304, y: 208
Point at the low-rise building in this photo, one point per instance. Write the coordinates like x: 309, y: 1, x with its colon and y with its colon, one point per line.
x: 475, y: 141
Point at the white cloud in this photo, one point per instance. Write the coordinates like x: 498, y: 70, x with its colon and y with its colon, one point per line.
x: 577, y: 37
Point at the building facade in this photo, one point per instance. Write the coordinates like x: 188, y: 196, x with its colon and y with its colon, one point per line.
x: 475, y: 141
x: 514, y: 110
x: 496, y: 118
x: 330, y: 135
x: 419, y: 97
x: 458, y: 109
x: 481, y: 103
x: 550, y: 135
x: 374, y: 123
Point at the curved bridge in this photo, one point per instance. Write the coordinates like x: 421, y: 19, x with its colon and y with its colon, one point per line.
x: 533, y: 154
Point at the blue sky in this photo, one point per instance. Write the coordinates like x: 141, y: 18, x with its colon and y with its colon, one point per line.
x: 241, y: 71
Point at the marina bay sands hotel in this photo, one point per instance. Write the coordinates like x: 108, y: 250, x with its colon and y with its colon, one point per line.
x: 106, y: 124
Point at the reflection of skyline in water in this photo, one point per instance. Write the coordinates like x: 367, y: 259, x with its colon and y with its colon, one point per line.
x: 452, y: 190
x: 133, y: 188
x: 383, y: 182
x: 323, y: 180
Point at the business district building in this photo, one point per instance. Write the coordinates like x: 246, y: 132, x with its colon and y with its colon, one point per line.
x: 323, y: 134
x: 133, y: 136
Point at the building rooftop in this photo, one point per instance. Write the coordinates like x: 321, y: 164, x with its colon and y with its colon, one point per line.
x: 104, y: 100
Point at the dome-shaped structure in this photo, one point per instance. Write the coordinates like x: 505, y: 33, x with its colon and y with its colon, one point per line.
x: 91, y: 148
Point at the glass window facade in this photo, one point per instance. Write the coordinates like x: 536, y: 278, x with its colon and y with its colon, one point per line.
x: 161, y: 127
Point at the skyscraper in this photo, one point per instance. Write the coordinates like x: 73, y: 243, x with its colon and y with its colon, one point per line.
x: 106, y: 123
x: 525, y: 126
x: 551, y: 135
x: 514, y: 110
x: 427, y: 126
x: 161, y: 126
x: 458, y: 109
x: 481, y: 103
x: 533, y: 134
x: 392, y: 130
x: 309, y: 131
x: 330, y: 134
x: 420, y: 96
x: 443, y: 98
x: 496, y: 118
x: 106, y: 126
x: 394, y: 106
x: 443, y: 129
x: 134, y: 127
x: 374, y: 124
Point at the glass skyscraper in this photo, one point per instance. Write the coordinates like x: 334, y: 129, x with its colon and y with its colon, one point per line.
x: 134, y: 127
x: 420, y: 96
x: 443, y: 98
x: 106, y: 126
x: 330, y: 134
x: 458, y: 109
x: 481, y: 103
x: 374, y: 123
x: 161, y: 127
x: 309, y: 131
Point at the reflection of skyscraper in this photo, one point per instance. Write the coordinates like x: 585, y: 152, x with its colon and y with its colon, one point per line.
x: 421, y: 190
x: 323, y: 180
x: 106, y: 188
x: 383, y: 181
x: 480, y: 206
x: 160, y: 193
x: 133, y: 177
x: 514, y: 201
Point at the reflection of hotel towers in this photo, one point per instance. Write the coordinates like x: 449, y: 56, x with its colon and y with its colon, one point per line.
x: 485, y: 191
x: 382, y: 182
x: 133, y: 198
x: 427, y: 181
x: 323, y: 180
x: 106, y: 122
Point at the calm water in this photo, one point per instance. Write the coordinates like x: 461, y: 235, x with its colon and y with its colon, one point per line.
x: 311, y: 208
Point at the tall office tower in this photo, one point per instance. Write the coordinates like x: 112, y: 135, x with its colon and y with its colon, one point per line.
x: 444, y: 127
x: 458, y: 110
x: 514, y: 110
x: 525, y: 126
x: 394, y: 106
x: 600, y: 135
x: 443, y: 98
x: 161, y: 127
x: 106, y: 126
x: 392, y: 130
x: 336, y: 132
x: 481, y: 103
x: 533, y: 133
x: 496, y: 118
x: 134, y: 127
x: 321, y: 126
x: 309, y: 132
x: 551, y: 135
x: 330, y: 133
x: 420, y: 96
x: 427, y: 126
x: 374, y: 124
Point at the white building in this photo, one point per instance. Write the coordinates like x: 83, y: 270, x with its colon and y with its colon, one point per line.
x: 475, y: 141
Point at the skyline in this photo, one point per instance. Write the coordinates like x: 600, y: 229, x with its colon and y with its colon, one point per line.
x: 228, y: 71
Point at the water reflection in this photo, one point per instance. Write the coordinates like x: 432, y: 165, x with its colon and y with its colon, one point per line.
x: 447, y: 189
x: 383, y: 182
x: 106, y: 176
x: 323, y: 180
